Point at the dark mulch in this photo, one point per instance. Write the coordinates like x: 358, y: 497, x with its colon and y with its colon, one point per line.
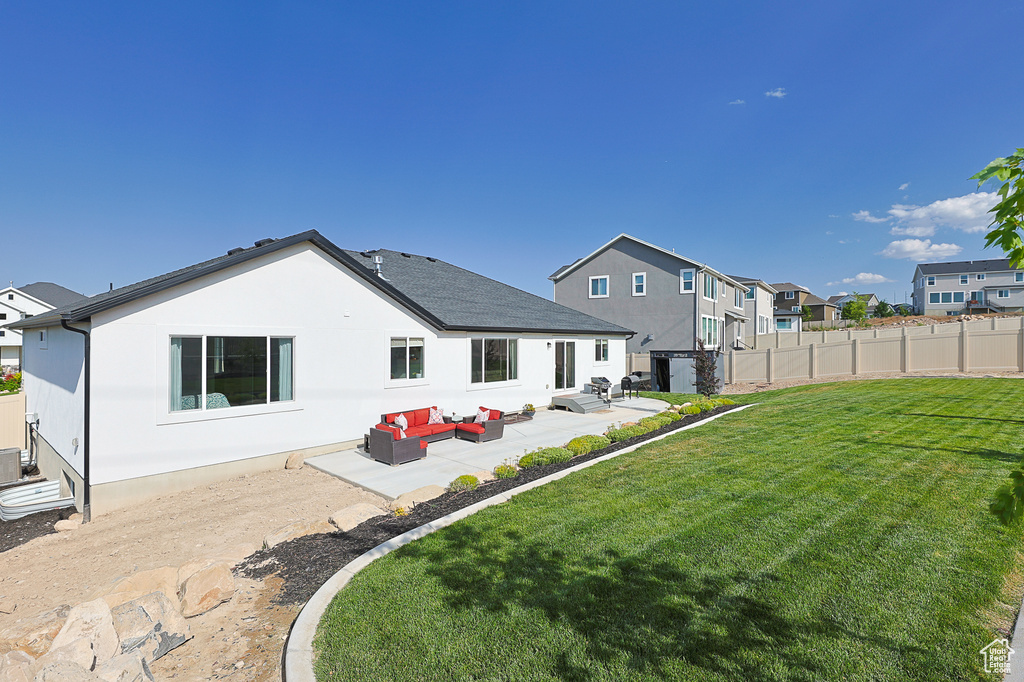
x: 306, y: 563
x: 20, y: 531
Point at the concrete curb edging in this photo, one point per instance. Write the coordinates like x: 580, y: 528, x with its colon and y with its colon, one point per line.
x: 298, y: 652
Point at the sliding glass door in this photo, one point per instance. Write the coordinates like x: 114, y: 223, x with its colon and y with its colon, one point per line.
x: 565, y: 365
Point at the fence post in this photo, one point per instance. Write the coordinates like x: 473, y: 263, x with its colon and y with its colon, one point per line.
x: 876, y: 332
x: 964, y: 350
x: 813, y: 360
x: 769, y: 368
x: 905, y: 352
x: 1020, y: 347
x: 732, y: 366
x: 855, y: 348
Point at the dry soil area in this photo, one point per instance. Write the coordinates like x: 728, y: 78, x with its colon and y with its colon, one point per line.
x: 239, y: 640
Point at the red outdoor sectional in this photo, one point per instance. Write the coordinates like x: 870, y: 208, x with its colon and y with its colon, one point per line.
x: 386, y: 442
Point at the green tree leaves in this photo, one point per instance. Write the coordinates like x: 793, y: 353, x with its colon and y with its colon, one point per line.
x: 1008, y: 214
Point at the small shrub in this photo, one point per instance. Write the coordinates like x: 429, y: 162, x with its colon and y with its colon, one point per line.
x: 584, y: 444
x: 671, y: 416
x: 653, y: 423
x: 725, y: 401
x: 625, y: 433
x: 543, y: 456
x: 706, y: 406
x: 463, y: 483
x: 401, y: 511
x: 505, y: 471
x: 10, y: 382
x: 689, y: 409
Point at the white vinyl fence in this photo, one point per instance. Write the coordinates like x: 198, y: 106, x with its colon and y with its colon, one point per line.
x: 960, y: 347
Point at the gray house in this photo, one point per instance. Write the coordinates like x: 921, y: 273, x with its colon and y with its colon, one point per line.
x: 968, y: 286
x: 759, y: 306
x: 668, y: 299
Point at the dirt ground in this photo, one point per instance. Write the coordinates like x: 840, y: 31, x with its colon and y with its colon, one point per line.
x: 239, y: 640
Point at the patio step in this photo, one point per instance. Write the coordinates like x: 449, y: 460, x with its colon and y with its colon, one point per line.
x: 582, y: 403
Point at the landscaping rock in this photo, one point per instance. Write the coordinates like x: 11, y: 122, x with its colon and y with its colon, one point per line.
x: 35, y: 634
x: 20, y: 672
x: 232, y: 556
x: 129, y: 667
x: 77, y: 517
x: 348, y: 518
x: 78, y: 652
x: 296, y: 530
x: 163, y: 579
x: 295, y: 461
x: 484, y: 476
x: 92, y: 622
x: 412, y: 498
x: 65, y: 671
x: 150, y: 625
x: 65, y: 525
x: 16, y: 658
x: 207, y: 589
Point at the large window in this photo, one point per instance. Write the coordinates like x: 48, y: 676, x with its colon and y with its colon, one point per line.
x: 686, y: 281
x: 783, y: 323
x: 599, y: 286
x: 600, y: 350
x: 406, y: 358
x: 494, y: 360
x: 214, y: 372
x: 933, y: 297
x: 710, y: 286
x: 710, y: 329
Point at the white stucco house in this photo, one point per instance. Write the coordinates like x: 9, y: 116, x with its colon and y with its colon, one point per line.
x: 293, y: 344
x: 17, y: 303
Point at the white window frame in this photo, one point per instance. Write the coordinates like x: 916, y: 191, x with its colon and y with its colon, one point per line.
x: 43, y: 339
x: 795, y: 308
x: 597, y: 278
x: 739, y: 297
x: 788, y: 321
x: 713, y: 282
x: 933, y: 298
x: 960, y: 294
x: 930, y: 280
x: 943, y: 295
x: 601, y: 349
x: 710, y: 329
x: 1003, y: 293
x: 643, y: 284
x: 964, y: 279
x: 483, y: 383
x: 979, y: 277
x: 1018, y: 277
x: 683, y: 288
x: 790, y: 295
x: 391, y: 382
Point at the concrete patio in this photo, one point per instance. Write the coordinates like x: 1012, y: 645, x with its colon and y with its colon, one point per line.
x: 448, y: 459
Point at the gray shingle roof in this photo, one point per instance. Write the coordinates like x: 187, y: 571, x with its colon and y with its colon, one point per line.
x: 965, y: 266
x: 788, y: 286
x: 51, y: 293
x: 447, y: 297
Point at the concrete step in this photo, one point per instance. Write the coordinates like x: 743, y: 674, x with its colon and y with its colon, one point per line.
x: 581, y: 403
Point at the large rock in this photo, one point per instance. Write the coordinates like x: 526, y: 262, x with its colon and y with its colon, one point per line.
x: 65, y: 671
x: 92, y: 622
x: 163, y: 579
x: 296, y: 530
x: 79, y: 652
x: 231, y: 556
x: 130, y: 667
x: 410, y: 499
x: 206, y: 589
x: 16, y: 666
x: 295, y: 461
x: 150, y: 625
x: 65, y: 525
x: 35, y: 634
x: 348, y: 518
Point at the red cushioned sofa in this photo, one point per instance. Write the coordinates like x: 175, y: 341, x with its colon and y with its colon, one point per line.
x: 492, y: 429
x: 387, y: 444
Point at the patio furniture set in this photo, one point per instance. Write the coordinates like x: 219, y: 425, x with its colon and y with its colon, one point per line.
x: 403, y: 436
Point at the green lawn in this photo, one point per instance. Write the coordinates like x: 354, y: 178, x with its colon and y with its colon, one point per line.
x: 836, y: 531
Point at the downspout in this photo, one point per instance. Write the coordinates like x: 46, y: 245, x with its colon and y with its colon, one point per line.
x: 86, y: 493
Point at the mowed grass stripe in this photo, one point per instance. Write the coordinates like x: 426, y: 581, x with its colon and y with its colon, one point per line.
x: 835, y: 531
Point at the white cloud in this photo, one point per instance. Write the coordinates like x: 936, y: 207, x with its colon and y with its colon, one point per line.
x: 738, y: 101
x: 778, y: 93
x: 866, y: 217
x: 919, y: 250
x: 862, y: 278
x: 904, y: 186
x: 842, y: 293
x: 968, y: 213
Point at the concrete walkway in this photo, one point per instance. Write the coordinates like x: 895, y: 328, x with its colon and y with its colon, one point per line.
x: 448, y: 459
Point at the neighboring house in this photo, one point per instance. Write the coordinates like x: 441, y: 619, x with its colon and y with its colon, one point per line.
x: 839, y: 301
x: 226, y: 367
x: 968, y: 286
x: 21, y: 302
x: 760, y: 304
x: 787, y: 320
x: 792, y: 297
x: 668, y: 299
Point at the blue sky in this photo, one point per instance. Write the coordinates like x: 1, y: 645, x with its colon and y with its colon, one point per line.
x: 811, y: 142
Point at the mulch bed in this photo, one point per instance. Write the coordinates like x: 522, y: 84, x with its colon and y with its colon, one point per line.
x: 306, y: 563
x: 20, y: 531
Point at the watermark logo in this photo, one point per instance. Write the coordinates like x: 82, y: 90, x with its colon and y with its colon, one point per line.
x: 997, y: 656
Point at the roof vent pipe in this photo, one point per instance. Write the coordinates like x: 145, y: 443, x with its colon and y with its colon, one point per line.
x: 377, y: 261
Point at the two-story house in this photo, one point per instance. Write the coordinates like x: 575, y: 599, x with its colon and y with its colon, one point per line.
x: 870, y: 300
x: 17, y: 304
x: 968, y: 286
x: 759, y: 306
x: 789, y: 302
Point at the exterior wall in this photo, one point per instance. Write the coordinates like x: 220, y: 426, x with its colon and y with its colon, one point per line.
x: 783, y: 303
x: 761, y: 306
x: 15, y: 310
x: 342, y: 328
x: 950, y: 283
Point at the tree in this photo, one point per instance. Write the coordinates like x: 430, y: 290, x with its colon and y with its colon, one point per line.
x: 904, y: 310
x: 883, y: 309
x: 1008, y: 214
x: 805, y: 310
x: 705, y: 362
x: 855, y: 309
